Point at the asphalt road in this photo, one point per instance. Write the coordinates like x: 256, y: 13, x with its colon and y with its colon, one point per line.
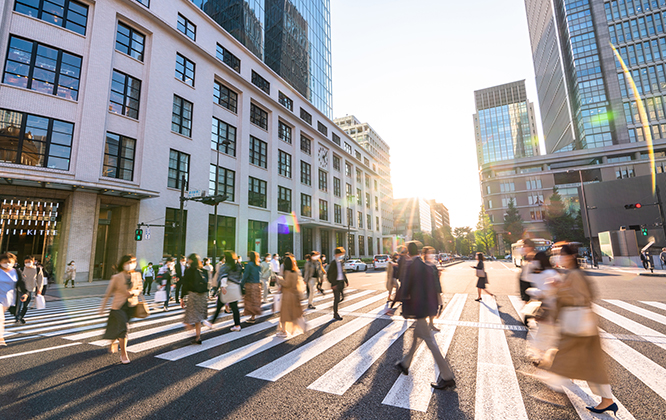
x: 56, y: 366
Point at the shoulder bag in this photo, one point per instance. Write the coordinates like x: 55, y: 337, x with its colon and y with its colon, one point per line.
x: 480, y: 272
x: 141, y: 310
x: 578, y: 321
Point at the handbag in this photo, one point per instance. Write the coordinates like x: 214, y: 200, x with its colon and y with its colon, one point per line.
x: 578, y: 321
x: 141, y: 310
x: 40, y: 302
x: 277, y: 302
x: 160, y: 296
x: 480, y: 272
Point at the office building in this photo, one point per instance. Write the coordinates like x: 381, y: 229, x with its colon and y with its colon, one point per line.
x: 292, y: 37
x: 439, y: 215
x: 367, y: 137
x: 504, y: 125
x: 411, y: 215
x: 144, y: 100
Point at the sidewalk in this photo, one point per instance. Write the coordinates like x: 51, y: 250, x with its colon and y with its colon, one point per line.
x: 638, y: 271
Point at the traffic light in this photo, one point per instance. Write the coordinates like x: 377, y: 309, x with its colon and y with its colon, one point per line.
x: 214, y: 200
x: 138, y: 234
x: 633, y: 206
x: 644, y: 230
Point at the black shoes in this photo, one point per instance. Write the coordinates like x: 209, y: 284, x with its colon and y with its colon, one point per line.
x: 613, y: 407
x: 402, y: 369
x: 337, y: 317
x: 311, y: 307
x: 443, y: 384
x: 195, y: 341
x: 477, y: 300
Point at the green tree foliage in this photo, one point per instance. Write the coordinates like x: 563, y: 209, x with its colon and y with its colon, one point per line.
x: 485, y: 236
x: 464, y: 240
x: 513, y: 224
x: 563, y: 224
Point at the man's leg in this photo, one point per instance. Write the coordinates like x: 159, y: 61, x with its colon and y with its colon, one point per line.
x: 336, y: 301
x: 24, y: 306
x: 177, y: 293
x: 407, y: 360
x: 312, y: 282
x: 167, y: 289
x: 422, y: 330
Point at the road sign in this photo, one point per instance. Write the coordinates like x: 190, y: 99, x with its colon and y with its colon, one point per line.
x: 146, y: 233
x: 257, y: 245
x: 196, y: 193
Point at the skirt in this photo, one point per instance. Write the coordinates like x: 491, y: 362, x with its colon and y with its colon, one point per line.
x: 196, y: 308
x: 117, y: 326
x: 481, y: 283
x: 252, y: 299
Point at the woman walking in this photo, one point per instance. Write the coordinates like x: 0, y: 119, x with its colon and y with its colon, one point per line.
x: 125, y: 286
x: 70, y: 273
x: 391, y: 277
x: 313, y: 276
x: 544, y: 279
x: 579, y: 354
x: 9, y: 287
x: 265, y: 276
x: 252, y: 284
x: 291, y: 314
x: 229, y: 280
x: 195, y: 287
x: 481, y: 274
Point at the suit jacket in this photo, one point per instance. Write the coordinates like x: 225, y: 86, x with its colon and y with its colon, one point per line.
x: 332, y: 274
x: 421, y: 290
x: 179, y: 272
x: 118, y: 289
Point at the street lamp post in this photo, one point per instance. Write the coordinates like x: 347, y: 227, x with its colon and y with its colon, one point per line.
x: 217, y: 178
x: 350, y: 199
x: 587, y: 215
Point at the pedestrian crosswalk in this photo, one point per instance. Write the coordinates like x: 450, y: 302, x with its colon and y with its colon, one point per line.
x: 370, y: 335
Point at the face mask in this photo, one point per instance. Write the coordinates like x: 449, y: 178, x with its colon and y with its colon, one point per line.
x: 316, y: 257
x: 340, y: 258
x: 129, y: 266
x: 6, y: 265
x: 29, y: 265
x: 430, y: 258
x: 268, y: 259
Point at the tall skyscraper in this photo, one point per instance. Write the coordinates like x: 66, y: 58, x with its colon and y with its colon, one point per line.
x: 292, y: 37
x: 504, y: 123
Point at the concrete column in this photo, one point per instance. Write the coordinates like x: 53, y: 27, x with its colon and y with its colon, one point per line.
x: 79, y: 241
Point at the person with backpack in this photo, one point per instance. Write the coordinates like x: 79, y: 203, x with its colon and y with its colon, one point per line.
x: 195, y: 287
x: 33, y: 278
x: 229, y: 280
x: 252, y: 286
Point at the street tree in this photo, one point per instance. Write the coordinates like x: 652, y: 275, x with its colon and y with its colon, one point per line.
x: 513, y: 223
x: 559, y: 221
x: 485, y: 236
x: 463, y: 243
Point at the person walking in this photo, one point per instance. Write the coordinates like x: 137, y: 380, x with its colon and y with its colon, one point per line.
x: 481, y: 275
x: 229, y: 281
x: 125, y: 287
x: 148, y: 277
x: 165, y: 276
x: 209, y: 275
x: 9, y: 289
x: 291, y: 313
x: 526, y: 268
x: 391, y: 279
x: 275, y: 265
x: 430, y: 259
x: 195, y: 287
x: 251, y: 283
x: 181, y: 266
x: 420, y: 302
x: 70, y: 273
x: 313, y: 275
x: 265, y: 276
x: 338, y: 278
x: 33, y: 279
x: 579, y: 354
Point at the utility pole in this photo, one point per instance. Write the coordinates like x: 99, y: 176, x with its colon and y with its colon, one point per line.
x: 587, y: 217
x: 660, y: 206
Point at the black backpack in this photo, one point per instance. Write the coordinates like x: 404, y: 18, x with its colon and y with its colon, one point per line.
x: 201, y: 281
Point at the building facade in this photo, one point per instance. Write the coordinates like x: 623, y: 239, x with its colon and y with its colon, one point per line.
x: 292, y: 37
x: 411, y: 215
x: 439, y: 215
x: 367, y: 137
x: 107, y: 111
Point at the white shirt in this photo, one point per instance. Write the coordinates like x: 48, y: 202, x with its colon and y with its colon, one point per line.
x: 183, y: 267
x: 340, y: 273
x: 275, y: 265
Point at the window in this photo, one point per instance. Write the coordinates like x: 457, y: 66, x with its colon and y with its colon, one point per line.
x: 258, y: 152
x: 351, y: 247
x: 130, y: 41
x: 323, y: 180
x: 284, y: 199
x: 260, y: 82
x: 336, y: 187
x: 357, y: 154
x: 490, y: 204
x: 376, y: 203
x: 359, y: 197
x: 306, y: 144
x: 367, y: 181
x: 360, y: 220
x: 305, y: 116
x: 226, y: 182
x: 323, y: 210
x: 306, y: 173
x: 536, y: 214
x: 348, y: 191
x: 171, y: 232
x: 626, y: 172
x: 284, y: 132
x: 147, y: 4
x: 370, y: 246
x: 257, y: 236
x: 348, y: 148
x: 350, y: 217
x: 377, y: 223
x: 369, y: 221
x: 125, y: 95
x: 179, y: 167
x: 336, y: 162
x: 376, y: 185
x: 187, y: 27
x: 361, y: 245
x: 184, y: 69
x: 336, y: 139
x: 226, y: 233
x: 258, y: 116
x: 225, y: 96
x: 322, y: 128
x: 285, y: 101
x: 359, y: 176
x: 223, y: 137
x: 257, y: 196
x: 228, y: 58
x: 534, y: 200
x: 181, y: 117
x: 533, y: 184
x: 366, y: 162
x: 41, y: 68
x: 348, y: 169
x: 284, y: 163
x: 306, y: 205
x: 68, y: 14
x: 367, y: 200
x: 337, y: 213
x: 119, y: 157
x: 285, y: 234
x: 27, y: 139
x: 507, y: 187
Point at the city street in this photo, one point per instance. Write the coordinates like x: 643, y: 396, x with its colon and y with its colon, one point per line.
x: 57, y: 367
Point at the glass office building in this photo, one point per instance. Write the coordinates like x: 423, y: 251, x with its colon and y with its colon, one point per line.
x: 291, y: 37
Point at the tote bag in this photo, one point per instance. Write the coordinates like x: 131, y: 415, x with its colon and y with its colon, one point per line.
x: 277, y: 302
x: 160, y: 296
x: 578, y: 321
x: 141, y: 310
x: 40, y: 302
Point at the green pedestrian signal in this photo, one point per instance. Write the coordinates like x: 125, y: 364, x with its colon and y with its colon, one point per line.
x: 644, y: 231
x: 138, y: 234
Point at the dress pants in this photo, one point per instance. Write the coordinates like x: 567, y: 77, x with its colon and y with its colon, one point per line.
x: 422, y: 332
x: 179, y: 285
x: 147, y: 284
x: 167, y: 289
x: 312, y: 288
x: 22, y: 307
x: 337, y: 293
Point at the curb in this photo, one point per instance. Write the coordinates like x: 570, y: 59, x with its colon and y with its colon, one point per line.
x: 652, y: 274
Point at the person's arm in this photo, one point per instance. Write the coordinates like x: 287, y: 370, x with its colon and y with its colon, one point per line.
x: 40, y: 281
x: 109, y: 291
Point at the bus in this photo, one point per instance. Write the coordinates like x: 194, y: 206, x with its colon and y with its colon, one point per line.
x: 517, y: 249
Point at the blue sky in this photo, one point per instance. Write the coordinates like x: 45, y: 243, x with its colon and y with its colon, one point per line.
x: 410, y: 69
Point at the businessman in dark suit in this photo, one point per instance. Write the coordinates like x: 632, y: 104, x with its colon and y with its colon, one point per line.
x: 181, y: 266
x: 338, y: 278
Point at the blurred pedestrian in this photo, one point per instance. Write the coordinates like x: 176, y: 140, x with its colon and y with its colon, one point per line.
x: 544, y: 279
x: 148, y: 277
x: 391, y: 278
x: 482, y: 276
x: 579, y: 354
x: 165, y: 276
x: 526, y: 268
x: 275, y: 265
x: 291, y: 313
x: 265, y: 276
x: 430, y: 259
x: 662, y: 257
x: 229, y: 281
x: 420, y: 302
x: 338, y: 278
x: 195, y: 287
x: 313, y: 275
x: 70, y: 273
x: 181, y: 266
x: 251, y: 283
x: 32, y: 278
x: 209, y: 271
x: 125, y: 287
x: 9, y: 278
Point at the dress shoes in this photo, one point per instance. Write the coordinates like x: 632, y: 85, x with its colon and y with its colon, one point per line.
x: 443, y: 384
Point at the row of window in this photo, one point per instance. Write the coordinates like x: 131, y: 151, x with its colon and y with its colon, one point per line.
x: 618, y: 9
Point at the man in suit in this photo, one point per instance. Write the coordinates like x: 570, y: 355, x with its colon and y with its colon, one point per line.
x: 338, y: 278
x: 180, y: 273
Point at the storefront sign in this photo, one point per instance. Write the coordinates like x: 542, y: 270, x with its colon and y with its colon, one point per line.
x: 29, y: 217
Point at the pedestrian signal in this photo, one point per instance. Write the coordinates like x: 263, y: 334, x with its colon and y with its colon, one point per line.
x: 138, y: 234
x: 633, y: 206
x: 644, y: 231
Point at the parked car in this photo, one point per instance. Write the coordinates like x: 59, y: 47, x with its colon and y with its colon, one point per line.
x: 355, y: 265
x: 381, y: 261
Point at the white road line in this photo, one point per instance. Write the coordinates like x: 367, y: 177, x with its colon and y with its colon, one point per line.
x: 650, y: 335
x: 581, y: 396
x: 38, y: 351
x: 42, y: 325
x: 638, y: 310
x: 518, y: 305
x: 63, y: 314
x: 494, y: 366
x: 657, y: 305
x: 292, y: 360
x: 649, y: 372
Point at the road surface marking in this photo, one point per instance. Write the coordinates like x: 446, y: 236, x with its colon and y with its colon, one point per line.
x: 38, y: 351
x: 581, y: 397
x: 638, y: 310
x: 648, y: 334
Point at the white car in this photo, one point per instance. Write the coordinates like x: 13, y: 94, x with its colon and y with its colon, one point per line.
x: 381, y: 261
x: 355, y: 265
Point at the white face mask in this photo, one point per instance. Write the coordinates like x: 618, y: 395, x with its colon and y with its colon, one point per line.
x: 6, y: 265
x: 430, y: 257
x: 316, y: 257
x: 340, y: 257
x: 29, y: 265
x: 129, y: 266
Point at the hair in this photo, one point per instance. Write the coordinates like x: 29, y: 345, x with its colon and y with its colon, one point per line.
x: 339, y: 250
x: 150, y: 263
x: 230, y: 259
x: 479, y: 255
x: 28, y: 257
x: 182, y: 257
x: 124, y: 259
x: 412, y: 248
x: 267, y: 256
x: 528, y: 242
x: 308, y: 256
x: 275, y: 255
x: 196, y: 260
x: 254, y: 257
x: 570, y: 249
x: 544, y: 261
x: 290, y: 264
x: 427, y: 250
x: 70, y: 263
x: 7, y: 256
x: 169, y: 259
x: 402, y: 249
